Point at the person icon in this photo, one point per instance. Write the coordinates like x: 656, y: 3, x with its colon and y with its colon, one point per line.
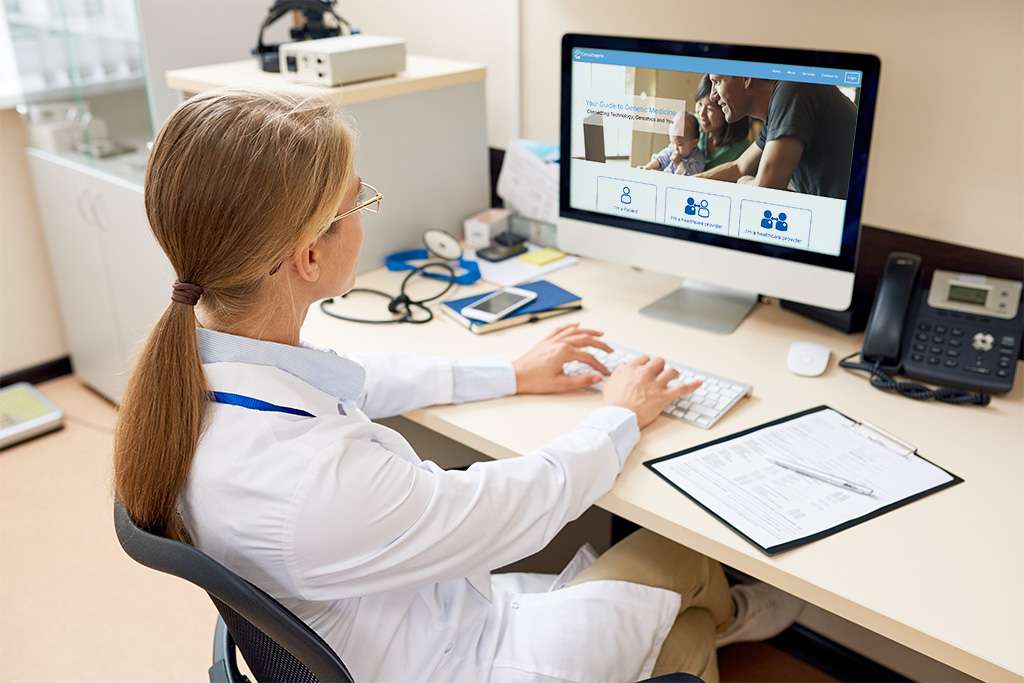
x: 625, y: 198
x: 703, y: 210
x: 766, y: 222
x: 691, y: 207
x: 780, y: 224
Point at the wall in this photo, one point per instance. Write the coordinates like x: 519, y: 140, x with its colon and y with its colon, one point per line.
x: 184, y: 33
x: 31, y: 332
x: 946, y: 155
x: 469, y: 30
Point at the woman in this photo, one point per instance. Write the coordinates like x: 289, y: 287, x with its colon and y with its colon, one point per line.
x: 259, y: 451
x: 720, y: 140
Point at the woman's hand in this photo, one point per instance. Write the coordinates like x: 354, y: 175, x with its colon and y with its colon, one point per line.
x: 642, y: 385
x: 539, y: 370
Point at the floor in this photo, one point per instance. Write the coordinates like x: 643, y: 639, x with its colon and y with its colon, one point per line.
x: 74, y: 607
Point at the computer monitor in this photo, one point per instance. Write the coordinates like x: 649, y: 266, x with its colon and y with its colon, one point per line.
x: 789, y: 231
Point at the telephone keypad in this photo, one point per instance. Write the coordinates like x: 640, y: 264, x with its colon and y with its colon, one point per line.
x: 947, y: 344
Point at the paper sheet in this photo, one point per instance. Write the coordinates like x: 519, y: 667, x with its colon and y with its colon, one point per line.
x: 527, y: 183
x: 771, y: 505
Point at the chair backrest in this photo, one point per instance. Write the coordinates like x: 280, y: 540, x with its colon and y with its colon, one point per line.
x: 277, y: 645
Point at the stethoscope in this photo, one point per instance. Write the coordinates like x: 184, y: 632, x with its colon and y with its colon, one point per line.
x: 439, y: 244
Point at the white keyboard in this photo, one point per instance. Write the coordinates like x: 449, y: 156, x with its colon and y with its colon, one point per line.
x: 702, y: 407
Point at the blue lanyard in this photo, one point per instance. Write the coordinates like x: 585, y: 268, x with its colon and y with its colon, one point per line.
x: 254, y: 404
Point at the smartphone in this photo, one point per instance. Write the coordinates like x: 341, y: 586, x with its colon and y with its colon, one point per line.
x: 500, y: 252
x: 497, y: 305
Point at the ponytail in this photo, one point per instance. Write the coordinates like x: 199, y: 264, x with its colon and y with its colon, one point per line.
x: 159, y: 423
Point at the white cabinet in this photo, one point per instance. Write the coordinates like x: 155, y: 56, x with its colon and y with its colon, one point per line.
x: 113, y: 281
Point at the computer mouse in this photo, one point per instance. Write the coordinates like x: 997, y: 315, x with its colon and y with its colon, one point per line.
x: 808, y: 358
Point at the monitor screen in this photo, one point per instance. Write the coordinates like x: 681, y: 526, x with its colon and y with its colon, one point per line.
x: 733, y: 165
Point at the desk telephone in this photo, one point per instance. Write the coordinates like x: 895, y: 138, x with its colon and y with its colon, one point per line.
x: 963, y: 331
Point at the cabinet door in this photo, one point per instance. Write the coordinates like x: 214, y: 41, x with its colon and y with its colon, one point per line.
x: 65, y: 196
x: 140, y: 275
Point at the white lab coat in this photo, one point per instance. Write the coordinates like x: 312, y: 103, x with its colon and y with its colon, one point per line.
x: 383, y: 554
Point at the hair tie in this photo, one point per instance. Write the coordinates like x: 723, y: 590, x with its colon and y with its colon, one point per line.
x: 186, y: 293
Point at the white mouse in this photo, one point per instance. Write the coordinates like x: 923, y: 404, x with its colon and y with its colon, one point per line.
x: 808, y: 358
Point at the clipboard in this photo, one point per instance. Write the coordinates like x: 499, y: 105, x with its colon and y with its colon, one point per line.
x: 738, y: 480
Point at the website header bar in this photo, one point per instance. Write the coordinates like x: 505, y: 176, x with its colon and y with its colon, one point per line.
x: 725, y: 67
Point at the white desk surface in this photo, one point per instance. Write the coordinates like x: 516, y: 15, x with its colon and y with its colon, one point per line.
x: 941, y: 575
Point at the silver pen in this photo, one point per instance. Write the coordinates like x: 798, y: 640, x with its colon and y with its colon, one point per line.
x: 822, y: 476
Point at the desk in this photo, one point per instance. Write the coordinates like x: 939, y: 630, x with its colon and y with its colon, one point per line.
x: 941, y: 576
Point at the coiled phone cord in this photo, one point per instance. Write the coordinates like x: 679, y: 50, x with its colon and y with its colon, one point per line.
x: 919, y: 392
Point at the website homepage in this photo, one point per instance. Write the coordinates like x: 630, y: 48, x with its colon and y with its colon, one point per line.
x: 667, y: 139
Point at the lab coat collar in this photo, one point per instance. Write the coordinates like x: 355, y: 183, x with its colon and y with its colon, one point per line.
x: 339, y: 377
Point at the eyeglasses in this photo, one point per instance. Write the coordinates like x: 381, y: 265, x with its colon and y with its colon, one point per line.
x: 368, y: 199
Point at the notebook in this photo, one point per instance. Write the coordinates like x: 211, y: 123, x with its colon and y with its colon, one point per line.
x: 551, y: 301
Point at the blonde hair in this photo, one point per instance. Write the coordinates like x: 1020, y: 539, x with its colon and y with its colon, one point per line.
x: 237, y: 179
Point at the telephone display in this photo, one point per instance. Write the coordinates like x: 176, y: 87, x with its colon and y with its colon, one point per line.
x: 963, y: 331
x: 968, y: 295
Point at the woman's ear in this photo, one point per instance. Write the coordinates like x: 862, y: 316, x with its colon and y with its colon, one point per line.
x: 307, y: 261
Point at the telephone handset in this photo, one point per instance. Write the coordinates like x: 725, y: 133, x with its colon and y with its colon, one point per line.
x: 964, y: 331
x: 883, y: 335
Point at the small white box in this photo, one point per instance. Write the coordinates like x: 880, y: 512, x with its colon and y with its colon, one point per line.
x: 481, y: 228
x: 343, y: 59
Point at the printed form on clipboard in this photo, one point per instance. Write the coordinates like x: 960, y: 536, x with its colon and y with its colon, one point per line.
x: 801, y: 478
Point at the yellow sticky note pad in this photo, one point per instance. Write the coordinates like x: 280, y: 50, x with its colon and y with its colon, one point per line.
x: 542, y: 256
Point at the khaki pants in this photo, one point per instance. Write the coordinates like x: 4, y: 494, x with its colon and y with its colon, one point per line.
x: 646, y: 558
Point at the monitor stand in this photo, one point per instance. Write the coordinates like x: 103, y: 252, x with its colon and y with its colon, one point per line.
x: 707, y: 307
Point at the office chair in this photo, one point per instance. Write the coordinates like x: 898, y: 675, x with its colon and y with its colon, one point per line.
x: 277, y: 645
